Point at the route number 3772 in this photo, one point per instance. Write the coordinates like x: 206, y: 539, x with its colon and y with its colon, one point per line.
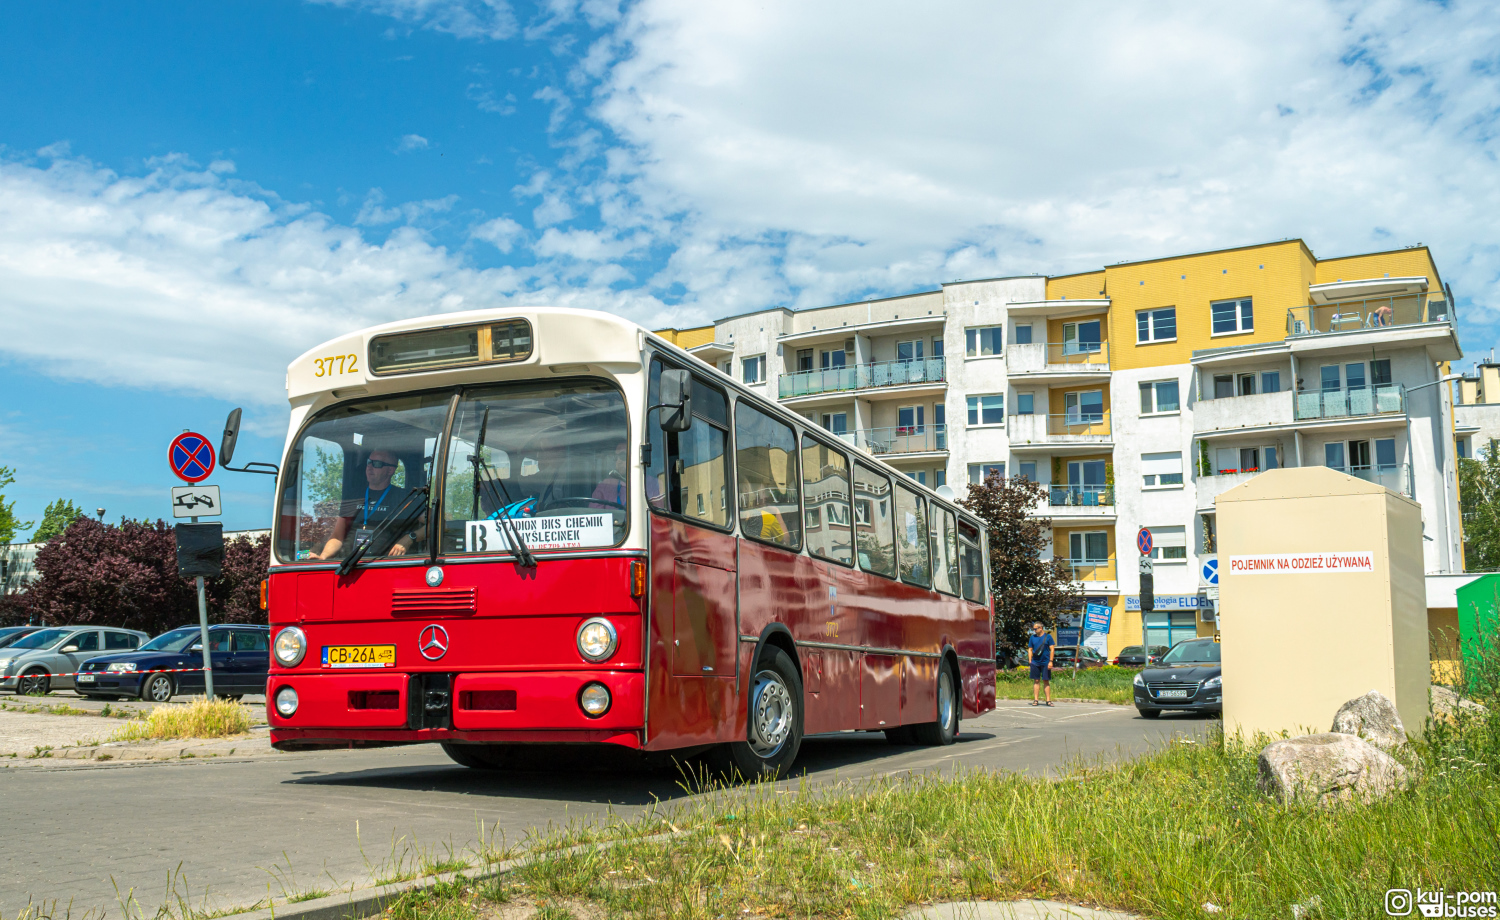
x: 327, y: 367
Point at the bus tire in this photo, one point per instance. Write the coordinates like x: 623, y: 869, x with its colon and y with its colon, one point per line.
x: 477, y: 756
x: 773, y: 733
x: 945, y: 729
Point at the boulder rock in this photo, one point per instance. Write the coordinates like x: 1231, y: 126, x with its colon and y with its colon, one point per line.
x: 1372, y: 717
x: 1449, y: 707
x: 1328, y: 769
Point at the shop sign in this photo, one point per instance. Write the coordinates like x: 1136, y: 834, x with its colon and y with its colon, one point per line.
x: 1166, y: 602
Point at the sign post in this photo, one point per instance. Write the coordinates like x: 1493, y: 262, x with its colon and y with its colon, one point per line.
x: 1209, y: 575
x: 1144, y: 543
x: 191, y: 457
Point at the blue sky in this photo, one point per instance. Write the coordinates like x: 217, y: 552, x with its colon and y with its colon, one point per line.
x: 193, y: 194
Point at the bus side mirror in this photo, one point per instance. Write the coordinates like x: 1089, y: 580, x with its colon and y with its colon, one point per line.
x: 231, y: 435
x: 676, y: 400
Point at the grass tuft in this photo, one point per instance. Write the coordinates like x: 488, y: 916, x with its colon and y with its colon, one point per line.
x: 198, y: 719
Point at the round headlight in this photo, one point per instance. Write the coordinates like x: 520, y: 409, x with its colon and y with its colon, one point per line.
x: 594, y: 700
x: 291, y: 645
x: 597, y: 639
x: 286, y: 701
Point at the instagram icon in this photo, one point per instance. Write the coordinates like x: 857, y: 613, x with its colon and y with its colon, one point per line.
x: 1398, y: 902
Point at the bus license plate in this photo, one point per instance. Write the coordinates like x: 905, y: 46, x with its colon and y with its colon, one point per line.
x: 1173, y: 694
x: 359, y: 656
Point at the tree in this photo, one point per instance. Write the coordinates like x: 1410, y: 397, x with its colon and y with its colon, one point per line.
x: 1479, y: 493
x: 1025, y: 588
x: 56, y: 519
x: 9, y: 523
x: 126, y: 576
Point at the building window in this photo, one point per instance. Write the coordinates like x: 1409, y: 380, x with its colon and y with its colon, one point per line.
x: 979, y: 472
x: 1028, y: 470
x: 1245, y: 459
x: 1025, y: 403
x: 1023, y: 334
x: 804, y: 360
x: 1232, y: 316
x: 909, y: 351
x: 987, y: 410
x: 1162, y: 470
x: 835, y: 358
x: 1159, y: 396
x: 937, y: 348
x: 754, y: 369
x: 983, y: 340
x: 911, y: 420
x: 918, y: 476
x: 1090, y: 548
x: 1223, y: 386
x: 1169, y: 544
x: 1081, y: 338
x: 836, y: 422
x: 1247, y: 384
x: 1156, y: 325
x: 939, y: 478
x: 1087, y: 406
x: 1462, y: 446
x: 1270, y: 381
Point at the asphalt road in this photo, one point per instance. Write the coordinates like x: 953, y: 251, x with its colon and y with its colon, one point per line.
x: 228, y: 833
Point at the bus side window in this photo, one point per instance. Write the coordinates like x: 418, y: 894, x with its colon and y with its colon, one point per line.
x: 688, y: 473
x: 970, y: 562
x: 944, y: 549
x: 765, y: 464
x: 825, y: 489
x: 874, y: 540
x: 911, y: 538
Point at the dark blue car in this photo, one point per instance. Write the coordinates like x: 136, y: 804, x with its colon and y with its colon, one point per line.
x: 172, y: 664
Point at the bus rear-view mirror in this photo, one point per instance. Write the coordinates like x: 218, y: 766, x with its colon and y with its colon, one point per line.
x: 676, y: 400
x: 231, y: 435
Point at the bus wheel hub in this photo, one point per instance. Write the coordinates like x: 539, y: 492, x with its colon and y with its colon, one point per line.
x: 770, y: 714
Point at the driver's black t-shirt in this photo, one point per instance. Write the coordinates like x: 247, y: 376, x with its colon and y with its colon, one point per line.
x: 373, y: 509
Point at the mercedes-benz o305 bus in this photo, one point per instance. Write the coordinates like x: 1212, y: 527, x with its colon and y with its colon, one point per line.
x: 504, y: 528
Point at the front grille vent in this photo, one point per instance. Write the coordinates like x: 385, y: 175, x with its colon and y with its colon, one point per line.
x: 1157, y: 686
x: 434, y: 601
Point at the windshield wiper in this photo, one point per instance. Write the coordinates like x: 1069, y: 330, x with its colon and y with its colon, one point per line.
x: 522, y: 551
x: 400, y: 516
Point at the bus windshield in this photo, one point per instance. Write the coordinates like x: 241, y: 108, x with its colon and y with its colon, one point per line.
x: 554, y: 458
x: 350, y: 474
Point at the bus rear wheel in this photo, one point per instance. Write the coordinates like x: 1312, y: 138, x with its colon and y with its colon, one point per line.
x: 945, y: 729
x: 773, y: 734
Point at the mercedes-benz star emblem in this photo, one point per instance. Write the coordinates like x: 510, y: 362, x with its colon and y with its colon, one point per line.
x: 432, y: 642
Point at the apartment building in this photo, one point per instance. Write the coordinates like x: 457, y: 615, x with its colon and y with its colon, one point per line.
x: 1136, y: 393
x: 1476, y: 409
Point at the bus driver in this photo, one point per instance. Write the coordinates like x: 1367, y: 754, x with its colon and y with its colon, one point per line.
x: 381, y: 500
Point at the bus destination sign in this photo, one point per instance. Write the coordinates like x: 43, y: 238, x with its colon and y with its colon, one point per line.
x: 570, y: 531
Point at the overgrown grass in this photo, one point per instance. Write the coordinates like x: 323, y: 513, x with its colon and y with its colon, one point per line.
x: 198, y: 719
x: 1109, y: 684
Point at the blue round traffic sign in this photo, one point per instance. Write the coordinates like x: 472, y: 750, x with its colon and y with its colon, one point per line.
x: 1143, y: 541
x: 191, y: 457
x: 1211, y: 572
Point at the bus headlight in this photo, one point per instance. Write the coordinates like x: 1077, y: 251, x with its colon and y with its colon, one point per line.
x: 594, y: 700
x: 596, y: 639
x: 291, y: 646
x: 286, y: 702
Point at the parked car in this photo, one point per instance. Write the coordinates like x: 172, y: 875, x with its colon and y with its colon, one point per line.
x: 1076, y: 657
x: 1138, y: 656
x: 10, y: 634
x: 1187, y: 677
x: 47, y: 659
x: 172, y: 663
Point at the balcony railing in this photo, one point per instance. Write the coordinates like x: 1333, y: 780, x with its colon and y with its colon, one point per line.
x: 1058, y: 358
x: 1394, y: 476
x: 1080, y: 496
x: 864, y: 376
x: 1065, y: 428
x: 1374, y: 313
x: 1091, y: 569
x: 909, y: 440
x: 1351, y: 402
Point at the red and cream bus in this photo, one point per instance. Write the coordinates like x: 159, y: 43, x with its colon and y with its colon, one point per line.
x: 503, y: 528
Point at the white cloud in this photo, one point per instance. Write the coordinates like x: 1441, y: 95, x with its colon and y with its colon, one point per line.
x: 502, y: 233
x: 372, y: 212
x: 491, y: 19
x: 410, y: 142
x: 190, y: 280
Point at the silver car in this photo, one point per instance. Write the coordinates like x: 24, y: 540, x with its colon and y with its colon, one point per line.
x: 48, y: 658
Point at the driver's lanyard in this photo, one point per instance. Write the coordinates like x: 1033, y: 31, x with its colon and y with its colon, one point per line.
x: 378, y: 503
x: 619, y: 486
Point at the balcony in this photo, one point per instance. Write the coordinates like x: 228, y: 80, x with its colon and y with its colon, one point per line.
x: 1059, y: 362
x: 1091, y: 571
x: 864, y: 376
x: 1070, y: 433
x: 891, y: 443
x: 1213, y: 485
x: 1239, y: 413
x: 1371, y: 313
x: 1348, y: 403
x: 1394, y: 476
x: 1068, y: 505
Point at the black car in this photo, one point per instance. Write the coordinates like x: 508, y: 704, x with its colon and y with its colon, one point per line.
x: 9, y: 634
x: 172, y: 664
x: 1188, y: 677
x: 1138, y: 656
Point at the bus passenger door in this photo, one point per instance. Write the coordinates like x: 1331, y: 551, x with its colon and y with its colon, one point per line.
x: 703, y: 621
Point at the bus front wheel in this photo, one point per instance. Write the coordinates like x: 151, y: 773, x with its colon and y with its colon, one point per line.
x: 945, y: 729
x: 774, y: 732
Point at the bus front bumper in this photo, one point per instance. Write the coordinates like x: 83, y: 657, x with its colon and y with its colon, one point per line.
x: 371, y: 708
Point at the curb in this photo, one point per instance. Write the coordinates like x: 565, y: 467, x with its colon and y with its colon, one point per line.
x: 369, y: 902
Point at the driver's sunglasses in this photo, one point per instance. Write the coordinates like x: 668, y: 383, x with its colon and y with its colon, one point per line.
x: 380, y: 464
